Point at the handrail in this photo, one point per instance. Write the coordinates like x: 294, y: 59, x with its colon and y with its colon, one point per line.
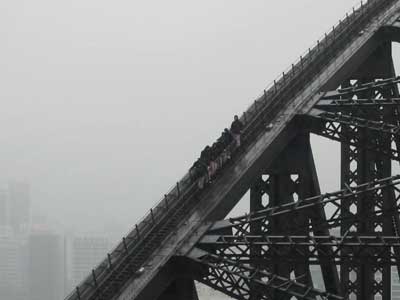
x: 305, y: 68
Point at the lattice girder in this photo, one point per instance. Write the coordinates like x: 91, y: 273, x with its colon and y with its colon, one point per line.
x: 241, y: 281
x: 350, y: 249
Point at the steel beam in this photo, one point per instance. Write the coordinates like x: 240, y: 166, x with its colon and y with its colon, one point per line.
x: 370, y: 138
x: 235, y: 279
x: 349, y: 194
x: 346, y: 129
x: 372, y: 87
x: 284, y: 181
x: 354, y: 104
x: 350, y: 249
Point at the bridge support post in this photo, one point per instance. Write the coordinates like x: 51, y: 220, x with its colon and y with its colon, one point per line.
x: 291, y: 177
x: 359, y: 165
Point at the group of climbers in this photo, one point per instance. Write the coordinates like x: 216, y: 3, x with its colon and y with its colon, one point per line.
x: 212, y: 158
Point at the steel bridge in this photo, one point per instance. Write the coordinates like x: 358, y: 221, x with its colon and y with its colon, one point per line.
x: 344, y: 89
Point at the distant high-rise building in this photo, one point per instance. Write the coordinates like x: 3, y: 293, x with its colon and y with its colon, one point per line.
x: 46, y: 269
x: 4, y: 208
x: 12, y: 267
x: 19, y: 206
x: 86, y: 253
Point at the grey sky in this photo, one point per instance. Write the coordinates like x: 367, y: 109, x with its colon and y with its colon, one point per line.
x: 105, y: 104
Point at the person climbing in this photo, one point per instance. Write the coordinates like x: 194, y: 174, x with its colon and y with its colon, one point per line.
x: 213, y: 165
x: 236, y: 130
x: 202, y: 173
x: 194, y: 171
x: 224, y: 142
x: 205, y: 160
x: 226, y: 138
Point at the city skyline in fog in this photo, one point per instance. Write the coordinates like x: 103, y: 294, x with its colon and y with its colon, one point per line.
x: 107, y: 104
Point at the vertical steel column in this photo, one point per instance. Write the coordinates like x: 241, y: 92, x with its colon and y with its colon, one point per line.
x: 358, y: 165
x: 256, y: 195
x: 347, y: 178
x: 281, y: 192
x: 390, y: 223
x: 328, y: 268
x: 396, y: 120
x: 285, y: 181
x: 366, y: 167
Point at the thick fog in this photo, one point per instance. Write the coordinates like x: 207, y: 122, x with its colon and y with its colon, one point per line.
x: 105, y: 104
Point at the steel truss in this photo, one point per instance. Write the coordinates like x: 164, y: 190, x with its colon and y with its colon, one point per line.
x: 242, y: 281
x: 237, y: 248
x: 340, y: 104
x: 330, y: 201
x: 345, y: 249
x: 268, y: 253
x: 364, y: 117
x: 346, y: 128
x: 373, y: 88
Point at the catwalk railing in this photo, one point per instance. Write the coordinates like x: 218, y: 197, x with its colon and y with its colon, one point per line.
x: 260, y: 113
